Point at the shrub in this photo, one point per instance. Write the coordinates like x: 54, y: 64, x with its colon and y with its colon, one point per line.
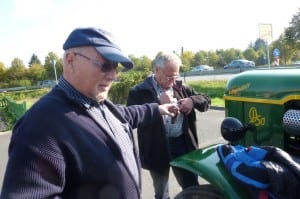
x: 119, y: 90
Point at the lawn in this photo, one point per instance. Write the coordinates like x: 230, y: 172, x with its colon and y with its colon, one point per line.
x: 214, y: 88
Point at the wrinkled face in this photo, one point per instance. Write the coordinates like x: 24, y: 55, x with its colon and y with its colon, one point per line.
x: 165, y: 76
x: 85, y: 71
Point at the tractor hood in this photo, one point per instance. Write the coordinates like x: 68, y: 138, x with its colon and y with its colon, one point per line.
x: 275, y: 86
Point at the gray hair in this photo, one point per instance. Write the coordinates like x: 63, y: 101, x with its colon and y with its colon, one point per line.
x: 162, y: 59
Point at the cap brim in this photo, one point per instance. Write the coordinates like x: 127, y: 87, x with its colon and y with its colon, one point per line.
x: 114, y: 55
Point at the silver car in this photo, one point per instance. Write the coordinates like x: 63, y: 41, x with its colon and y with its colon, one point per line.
x: 240, y: 63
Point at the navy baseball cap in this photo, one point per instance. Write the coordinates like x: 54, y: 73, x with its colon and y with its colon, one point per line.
x: 101, y: 40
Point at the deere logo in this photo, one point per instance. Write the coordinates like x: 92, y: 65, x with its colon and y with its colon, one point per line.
x: 256, y: 118
x: 237, y: 90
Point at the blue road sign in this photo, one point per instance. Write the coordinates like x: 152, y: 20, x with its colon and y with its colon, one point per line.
x: 276, y: 52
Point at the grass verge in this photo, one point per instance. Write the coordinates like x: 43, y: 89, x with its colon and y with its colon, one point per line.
x: 215, y: 89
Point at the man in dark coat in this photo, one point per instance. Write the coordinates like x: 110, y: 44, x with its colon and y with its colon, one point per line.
x: 74, y: 143
x: 170, y: 137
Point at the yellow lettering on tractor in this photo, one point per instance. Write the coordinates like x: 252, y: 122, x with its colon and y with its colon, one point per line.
x: 256, y: 118
x: 236, y: 90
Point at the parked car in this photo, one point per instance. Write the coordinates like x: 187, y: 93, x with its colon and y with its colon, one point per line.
x: 240, y: 63
x: 297, y: 63
x: 202, y: 68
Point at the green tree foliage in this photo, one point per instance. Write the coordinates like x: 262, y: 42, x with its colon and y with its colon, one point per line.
x: 232, y: 54
x: 296, y: 57
x: 2, y: 75
x: 2, y: 70
x: 36, y: 73
x: 16, y: 75
x: 292, y: 33
x: 34, y: 60
x: 261, y: 57
x: 250, y: 54
x: 52, y: 62
x: 259, y: 45
x: 143, y: 63
x: 17, y: 70
x: 200, y: 58
x: 213, y: 59
x: 220, y: 54
x: 186, y: 58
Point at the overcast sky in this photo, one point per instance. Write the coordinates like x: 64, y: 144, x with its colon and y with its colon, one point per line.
x: 141, y: 27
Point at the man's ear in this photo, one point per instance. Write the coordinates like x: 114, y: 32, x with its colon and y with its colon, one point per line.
x: 69, y: 58
x: 69, y: 66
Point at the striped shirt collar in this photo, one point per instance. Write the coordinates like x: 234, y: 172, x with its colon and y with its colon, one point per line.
x: 75, y: 95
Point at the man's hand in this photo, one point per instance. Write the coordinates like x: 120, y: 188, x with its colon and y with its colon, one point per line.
x: 168, y: 109
x: 186, y: 105
x: 165, y: 97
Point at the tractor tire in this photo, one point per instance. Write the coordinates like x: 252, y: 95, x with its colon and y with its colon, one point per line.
x: 200, y: 192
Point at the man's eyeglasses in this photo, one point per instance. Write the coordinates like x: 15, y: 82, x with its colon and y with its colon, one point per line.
x: 106, y: 67
x: 170, y: 77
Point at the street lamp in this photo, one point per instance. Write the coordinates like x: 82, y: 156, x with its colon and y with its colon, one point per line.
x: 54, y: 62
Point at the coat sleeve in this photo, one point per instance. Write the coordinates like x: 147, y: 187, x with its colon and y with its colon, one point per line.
x: 201, y: 101
x: 140, y: 115
x: 143, y: 106
x: 32, y: 172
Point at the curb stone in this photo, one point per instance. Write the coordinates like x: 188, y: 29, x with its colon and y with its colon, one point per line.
x: 217, y: 108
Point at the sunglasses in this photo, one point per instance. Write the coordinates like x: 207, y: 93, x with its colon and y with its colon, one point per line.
x: 106, y: 67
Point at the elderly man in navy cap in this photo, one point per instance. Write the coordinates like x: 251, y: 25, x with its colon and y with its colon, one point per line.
x: 74, y: 143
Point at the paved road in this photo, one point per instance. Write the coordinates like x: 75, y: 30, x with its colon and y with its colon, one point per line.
x: 208, y: 132
x: 208, y: 124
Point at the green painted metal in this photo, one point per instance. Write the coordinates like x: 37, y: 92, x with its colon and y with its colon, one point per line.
x: 259, y: 97
x: 265, y: 84
x: 16, y: 109
x: 206, y: 163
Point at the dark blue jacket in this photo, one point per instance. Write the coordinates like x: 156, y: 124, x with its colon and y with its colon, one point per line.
x: 57, y: 150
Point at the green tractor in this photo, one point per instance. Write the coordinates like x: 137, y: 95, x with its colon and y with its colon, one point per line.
x: 267, y: 105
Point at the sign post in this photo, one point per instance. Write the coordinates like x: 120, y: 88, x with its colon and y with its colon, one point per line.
x: 265, y: 33
x: 276, y: 54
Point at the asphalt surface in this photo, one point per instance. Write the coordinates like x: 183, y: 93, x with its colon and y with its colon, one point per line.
x: 208, y: 124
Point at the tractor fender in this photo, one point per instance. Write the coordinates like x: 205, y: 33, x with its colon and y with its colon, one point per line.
x: 205, y: 162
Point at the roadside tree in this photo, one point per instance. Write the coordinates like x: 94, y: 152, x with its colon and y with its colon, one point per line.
x: 34, y: 60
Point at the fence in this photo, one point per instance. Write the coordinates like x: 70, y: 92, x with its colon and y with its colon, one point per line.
x: 3, y: 102
x: 14, y: 108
